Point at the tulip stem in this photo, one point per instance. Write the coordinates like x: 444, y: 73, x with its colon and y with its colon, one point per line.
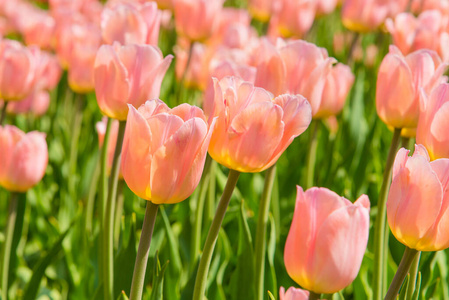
x: 142, y: 253
x: 203, y: 269
x: 196, y: 240
x: 6, y: 255
x: 108, y: 226
x: 314, y: 296
x: 76, y: 131
x: 380, y: 241
x: 404, y: 266
x: 311, y: 155
x: 355, y: 40
x: 413, y: 274
x: 261, y: 231
x: 3, y: 114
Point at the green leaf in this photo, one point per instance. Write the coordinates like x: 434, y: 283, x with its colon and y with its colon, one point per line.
x: 158, y: 279
x: 242, y: 283
x: 271, y: 296
x: 271, y: 249
x: 417, y: 287
x: 32, y: 287
x: 123, y: 296
x: 404, y: 288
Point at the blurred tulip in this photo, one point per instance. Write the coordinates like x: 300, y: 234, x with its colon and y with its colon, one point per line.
x: 336, y: 89
x: 292, y: 18
x: 368, y: 15
x: 164, y: 151
x: 23, y: 158
x: 327, y: 240
x: 399, y: 81
x: 433, y: 126
x: 293, y: 294
x: 261, y: 9
x: 417, y: 206
x: 424, y: 32
x: 17, y: 70
x: 194, y: 19
x: 307, y: 67
x: 324, y: 7
x: 131, y: 23
x: 48, y: 73
x: 253, y: 129
x: 165, y: 4
x: 128, y: 74
x: 419, y: 6
x: 101, y: 131
x: 36, y: 103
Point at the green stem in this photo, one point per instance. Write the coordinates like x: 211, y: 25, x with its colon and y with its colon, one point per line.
x: 108, y: 226
x: 142, y: 253
x: 196, y: 240
x: 118, y: 212
x: 404, y: 266
x: 380, y: 223
x: 76, y: 131
x: 261, y: 231
x: 210, y: 204
x: 405, y: 142
x: 183, y: 78
x: 413, y: 274
x: 91, y: 199
x: 314, y: 296
x: 3, y: 113
x: 12, y: 214
x: 355, y: 39
x: 311, y: 155
x: 203, y: 269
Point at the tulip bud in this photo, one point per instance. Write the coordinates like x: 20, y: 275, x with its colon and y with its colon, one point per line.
x: 23, y: 158
x: 293, y: 294
x: 253, y: 129
x: 399, y: 82
x: 327, y: 240
x: 164, y: 151
x: 417, y: 201
x: 129, y: 74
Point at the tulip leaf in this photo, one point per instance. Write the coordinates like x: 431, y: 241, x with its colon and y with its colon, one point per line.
x: 271, y: 296
x: 32, y: 287
x: 417, y: 287
x: 404, y: 287
x: 123, y: 296
x: 158, y: 279
x: 242, y: 282
x: 271, y: 249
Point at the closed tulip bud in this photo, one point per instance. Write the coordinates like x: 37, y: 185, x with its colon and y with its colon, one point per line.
x: 336, y: 89
x: 128, y: 74
x: 23, y: 158
x: 293, y: 294
x: 17, y: 70
x: 433, y: 128
x: 399, y: 82
x: 194, y: 19
x: 131, y: 23
x: 417, y: 206
x: 164, y: 151
x: 327, y: 240
x: 253, y: 129
x: 307, y: 67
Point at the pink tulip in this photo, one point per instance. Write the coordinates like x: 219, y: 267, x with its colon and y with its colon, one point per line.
x: 293, y: 294
x: 23, y: 158
x: 232, y: 29
x: 261, y: 9
x: 307, y: 67
x: 327, y: 240
x: 433, y: 123
x: 253, y: 129
x: 325, y: 7
x: 425, y: 32
x: 399, y: 82
x: 17, y: 70
x: 419, y: 6
x: 336, y: 89
x: 417, y: 206
x: 194, y: 19
x: 131, y: 23
x: 368, y: 15
x: 49, y: 71
x: 128, y: 74
x: 293, y: 18
x: 36, y: 103
x: 164, y: 151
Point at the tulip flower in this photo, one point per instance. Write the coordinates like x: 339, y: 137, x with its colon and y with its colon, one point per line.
x: 164, y: 151
x: 399, y: 82
x: 307, y: 67
x: 293, y: 294
x: 417, y: 206
x: 432, y: 125
x: 23, y: 158
x: 327, y: 240
x: 131, y: 23
x: 261, y: 9
x: 17, y: 70
x: 36, y: 103
x: 253, y: 129
x: 129, y: 74
x: 293, y: 18
x: 194, y: 19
